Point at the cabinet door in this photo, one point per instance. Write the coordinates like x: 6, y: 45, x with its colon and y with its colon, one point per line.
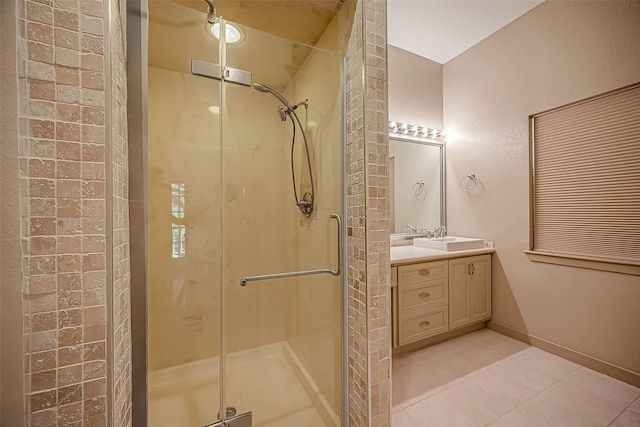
x: 469, y: 290
x: 480, y: 288
x: 459, y: 305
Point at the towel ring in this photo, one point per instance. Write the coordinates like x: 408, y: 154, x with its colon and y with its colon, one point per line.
x: 418, y: 188
x: 470, y: 182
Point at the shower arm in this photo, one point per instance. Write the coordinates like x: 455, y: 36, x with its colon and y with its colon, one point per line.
x: 335, y: 272
x: 211, y: 12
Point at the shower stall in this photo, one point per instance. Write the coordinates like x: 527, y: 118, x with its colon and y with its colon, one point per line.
x: 238, y: 291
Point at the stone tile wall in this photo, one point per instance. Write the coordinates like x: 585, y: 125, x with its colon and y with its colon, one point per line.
x: 73, y: 168
x: 369, y: 296
x: 121, y: 277
x: 356, y: 234
x: 377, y: 213
x: 65, y: 165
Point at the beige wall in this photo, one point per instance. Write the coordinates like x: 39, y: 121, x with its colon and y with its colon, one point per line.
x: 557, y: 53
x: 415, y: 89
x: 314, y: 304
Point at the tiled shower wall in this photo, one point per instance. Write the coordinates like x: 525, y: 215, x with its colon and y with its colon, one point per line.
x: 65, y: 158
x: 369, y: 328
x: 377, y: 213
x: 73, y: 178
x: 356, y: 234
x: 121, y: 278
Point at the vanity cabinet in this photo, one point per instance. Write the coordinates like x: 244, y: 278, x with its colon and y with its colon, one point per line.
x: 470, y: 290
x: 430, y: 298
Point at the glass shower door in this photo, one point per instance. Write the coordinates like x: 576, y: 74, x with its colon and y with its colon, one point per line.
x: 245, y: 179
x: 282, y: 198
x: 184, y: 222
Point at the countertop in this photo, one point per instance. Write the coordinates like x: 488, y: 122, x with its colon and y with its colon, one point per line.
x: 410, y: 254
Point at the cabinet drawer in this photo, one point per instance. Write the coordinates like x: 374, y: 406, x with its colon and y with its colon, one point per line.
x: 425, y: 270
x: 421, y: 325
x: 421, y: 295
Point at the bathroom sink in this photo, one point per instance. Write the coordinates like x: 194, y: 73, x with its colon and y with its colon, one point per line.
x: 449, y: 243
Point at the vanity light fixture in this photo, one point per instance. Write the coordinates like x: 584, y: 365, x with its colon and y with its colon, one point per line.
x: 415, y: 130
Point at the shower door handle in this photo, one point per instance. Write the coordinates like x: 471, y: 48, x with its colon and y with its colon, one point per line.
x: 333, y: 272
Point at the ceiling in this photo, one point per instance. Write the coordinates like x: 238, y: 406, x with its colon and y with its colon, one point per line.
x: 440, y: 30
x: 303, y: 21
x: 435, y: 29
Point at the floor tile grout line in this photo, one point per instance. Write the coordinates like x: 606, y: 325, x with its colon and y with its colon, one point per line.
x: 444, y: 387
x: 637, y: 399
x: 605, y: 397
x: 440, y: 390
x: 456, y: 381
x: 557, y: 376
x: 585, y: 390
x: 542, y: 390
x: 515, y: 408
x: 627, y: 408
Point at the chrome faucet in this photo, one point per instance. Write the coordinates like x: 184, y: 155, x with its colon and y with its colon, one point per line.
x: 412, y: 229
x: 440, y: 232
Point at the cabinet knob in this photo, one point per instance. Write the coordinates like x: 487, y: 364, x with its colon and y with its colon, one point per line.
x: 424, y: 324
x: 424, y: 272
x: 424, y: 295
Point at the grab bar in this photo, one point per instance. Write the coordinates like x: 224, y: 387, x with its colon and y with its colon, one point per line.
x: 335, y: 272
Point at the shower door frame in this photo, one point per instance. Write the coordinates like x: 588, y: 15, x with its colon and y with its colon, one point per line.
x: 137, y: 107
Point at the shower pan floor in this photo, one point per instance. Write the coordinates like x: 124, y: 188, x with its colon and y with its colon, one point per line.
x: 260, y: 380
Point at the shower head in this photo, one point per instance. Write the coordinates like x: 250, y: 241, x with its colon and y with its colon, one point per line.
x: 266, y: 89
x: 211, y: 12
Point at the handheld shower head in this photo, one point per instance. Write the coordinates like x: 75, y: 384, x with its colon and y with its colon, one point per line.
x: 306, y: 202
x: 266, y: 89
x: 260, y: 87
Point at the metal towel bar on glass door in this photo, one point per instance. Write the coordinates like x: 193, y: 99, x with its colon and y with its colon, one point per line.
x: 335, y: 272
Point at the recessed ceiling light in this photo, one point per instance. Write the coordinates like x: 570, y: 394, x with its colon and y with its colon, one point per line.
x: 233, y: 33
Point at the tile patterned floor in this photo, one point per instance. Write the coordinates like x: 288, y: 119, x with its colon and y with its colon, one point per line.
x: 488, y: 379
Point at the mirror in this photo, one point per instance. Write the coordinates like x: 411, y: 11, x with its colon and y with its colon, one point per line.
x: 416, y: 185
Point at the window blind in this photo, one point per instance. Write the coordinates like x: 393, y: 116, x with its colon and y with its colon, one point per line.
x: 586, y: 178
